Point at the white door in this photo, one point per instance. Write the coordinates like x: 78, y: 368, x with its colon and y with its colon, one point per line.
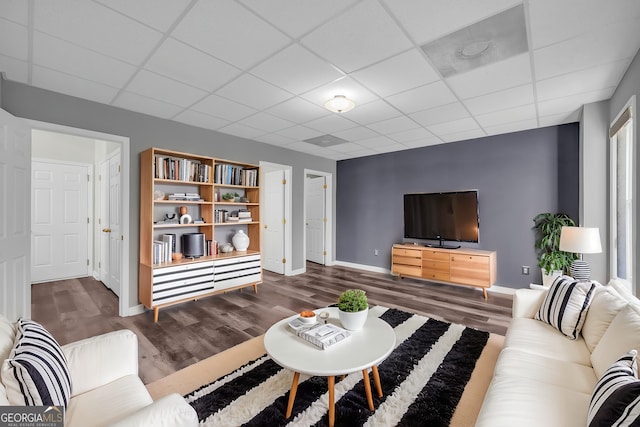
x: 316, y: 219
x: 103, y: 224
x: 59, y: 221
x: 115, y: 235
x: 273, y: 236
x: 15, y: 205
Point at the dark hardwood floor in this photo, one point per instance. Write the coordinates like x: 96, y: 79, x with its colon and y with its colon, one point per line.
x: 186, y: 333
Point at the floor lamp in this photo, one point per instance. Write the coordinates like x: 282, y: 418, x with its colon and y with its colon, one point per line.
x: 580, y: 240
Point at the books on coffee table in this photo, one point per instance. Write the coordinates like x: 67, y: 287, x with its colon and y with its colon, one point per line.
x: 321, y: 335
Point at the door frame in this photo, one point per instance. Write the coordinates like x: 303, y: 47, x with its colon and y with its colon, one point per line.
x: 90, y: 196
x: 288, y: 241
x: 328, y: 206
x: 125, y: 284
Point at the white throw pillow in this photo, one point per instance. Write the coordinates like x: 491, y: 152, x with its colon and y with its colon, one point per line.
x: 7, y: 336
x: 622, y: 335
x: 36, y: 372
x: 615, y: 400
x: 605, y: 305
x: 566, y: 304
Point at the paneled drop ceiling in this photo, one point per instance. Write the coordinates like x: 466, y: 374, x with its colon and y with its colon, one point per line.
x: 263, y: 70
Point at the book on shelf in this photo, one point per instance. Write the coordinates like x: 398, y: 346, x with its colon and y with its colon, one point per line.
x: 235, y: 175
x: 180, y: 169
x: 322, y: 335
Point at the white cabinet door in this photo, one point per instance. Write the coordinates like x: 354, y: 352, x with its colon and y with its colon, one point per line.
x: 15, y: 205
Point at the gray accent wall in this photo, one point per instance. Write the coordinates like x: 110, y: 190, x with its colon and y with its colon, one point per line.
x: 146, y: 131
x: 517, y: 176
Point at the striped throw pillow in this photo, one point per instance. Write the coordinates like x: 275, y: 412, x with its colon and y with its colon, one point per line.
x: 565, y: 306
x: 616, y: 397
x: 36, y: 371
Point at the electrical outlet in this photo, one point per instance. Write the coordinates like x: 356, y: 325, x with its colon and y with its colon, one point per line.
x: 375, y: 252
x: 525, y: 270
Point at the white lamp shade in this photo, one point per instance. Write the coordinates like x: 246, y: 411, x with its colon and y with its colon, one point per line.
x: 339, y: 104
x: 580, y: 240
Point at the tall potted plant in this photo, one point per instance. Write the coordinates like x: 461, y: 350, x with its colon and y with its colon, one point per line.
x: 353, y: 309
x: 551, y: 259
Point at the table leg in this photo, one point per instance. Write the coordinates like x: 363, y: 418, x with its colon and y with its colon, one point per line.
x: 292, y: 393
x: 367, y: 388
x: 376, y: 380
x: 332, y: 406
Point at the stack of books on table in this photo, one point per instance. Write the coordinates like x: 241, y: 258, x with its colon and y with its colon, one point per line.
x: 322, y: 335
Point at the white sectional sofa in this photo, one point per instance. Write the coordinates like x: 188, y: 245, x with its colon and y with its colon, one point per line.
x: 105, y: 387
x: 544, y: 378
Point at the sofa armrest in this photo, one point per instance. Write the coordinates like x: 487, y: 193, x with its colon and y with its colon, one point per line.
x: 99, y: 360
x: 170, y: 411
x: 526, y: 302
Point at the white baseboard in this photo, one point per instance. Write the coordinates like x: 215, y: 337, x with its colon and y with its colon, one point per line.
x: 137, y: 309
x: 363, y: 267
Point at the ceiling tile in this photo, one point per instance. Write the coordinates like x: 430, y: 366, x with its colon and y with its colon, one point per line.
x: 15, y: 10
x: 275, y: 139
x: 389, y: 148
x: 95, y: 27
x: 204, y: 71
x: 560, y: 118
x: 428, y: 20
x: 355, y: 134
x: 411, y: 135
x: 409, y: 70
x: 570, y: 104
x: 228, y: 31
x: 511, y: 127
x: 223, y: 108
x: 600, y: 46
x: 71, y: 85
x: 358, y: 37
x: 502, y: 75
x: 372, y: 112
x: 159, y: 14
x: 330, y: 124
x: 422, y: 98
x: 142, y: 104
x: 266, y: 122
x: 299, y: 132
x: 516, y: 114
x: 299, y: 110
x: 377, y: 141
x: 345, y: 86
x: 242, y: 131
x: 348, y: 147
x: 445, y: 113
x: 395, y: 125
x: 71, y: 59
x: 14, y: 40
x: 423, y: 142
x: 297, y: 18
x: 553, y: 21
x: 195, y: 118
x: 455, y: 126
x: 602, y: 76
x: 253, y: 92
x: 501, y: 100
x: 297, y: 70
x: 464, y: 135
x: 164, y: 89
x: 15, y: 70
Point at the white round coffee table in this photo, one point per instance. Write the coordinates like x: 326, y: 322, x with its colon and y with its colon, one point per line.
x: 363, y: 350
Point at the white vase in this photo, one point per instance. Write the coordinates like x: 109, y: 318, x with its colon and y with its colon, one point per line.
x: 547, y: 279
x: 240, y: 241
x: 353, y: 321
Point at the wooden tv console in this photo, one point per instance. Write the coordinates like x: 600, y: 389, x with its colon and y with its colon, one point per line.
x: 463, y: 266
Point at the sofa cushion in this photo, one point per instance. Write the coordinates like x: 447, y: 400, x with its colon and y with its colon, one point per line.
x: 605, y: 305
x: 621, y: 336
x: 565, y: 305
x: 517, y: 363
x: 616, y: 397
x: 540, y: 338
x: 36, y: 371
x: 108, y: 404
x: 7, y: 337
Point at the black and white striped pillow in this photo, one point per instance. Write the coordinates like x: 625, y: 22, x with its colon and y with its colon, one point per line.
x: 36, y: 371
x: 616, y: 397
x: 565, y: 306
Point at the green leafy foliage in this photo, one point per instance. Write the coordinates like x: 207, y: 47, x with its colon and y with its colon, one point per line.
x: 353, y: 300
x: 548, y: 227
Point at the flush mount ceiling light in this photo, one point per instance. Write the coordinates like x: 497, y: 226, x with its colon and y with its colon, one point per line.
x: 339, y: 104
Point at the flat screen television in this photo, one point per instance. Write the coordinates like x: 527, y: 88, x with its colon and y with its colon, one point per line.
x: 451, y: 216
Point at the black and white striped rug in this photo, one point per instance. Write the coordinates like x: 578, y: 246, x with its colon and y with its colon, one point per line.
x: 422, y: 381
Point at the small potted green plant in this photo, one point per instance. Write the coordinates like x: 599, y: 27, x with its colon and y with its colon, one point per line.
x: 229, y: 197
x: 353, y: 309
x: 551, y: 259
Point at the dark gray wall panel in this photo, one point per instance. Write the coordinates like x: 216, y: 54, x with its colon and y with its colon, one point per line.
x: 517, y: 176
